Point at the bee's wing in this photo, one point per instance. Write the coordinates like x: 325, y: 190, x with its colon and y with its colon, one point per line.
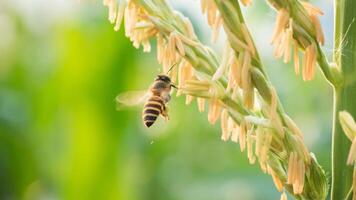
x: 131, y: 98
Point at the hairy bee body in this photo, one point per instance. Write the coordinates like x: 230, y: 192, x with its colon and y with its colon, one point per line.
x: 156, y: 103
x: 152, y: 109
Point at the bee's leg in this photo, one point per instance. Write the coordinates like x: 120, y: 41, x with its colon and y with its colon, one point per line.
x: 165, y: 113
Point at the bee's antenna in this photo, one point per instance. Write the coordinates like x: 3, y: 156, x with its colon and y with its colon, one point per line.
x: 172, y: 85
x: 170, y: 69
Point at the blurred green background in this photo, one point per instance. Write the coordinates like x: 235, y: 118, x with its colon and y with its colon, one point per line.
x: 61, y: 66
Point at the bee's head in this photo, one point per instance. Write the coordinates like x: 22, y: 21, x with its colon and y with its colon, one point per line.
x: 163, y: 78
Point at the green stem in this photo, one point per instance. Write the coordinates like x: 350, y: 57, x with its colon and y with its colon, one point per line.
x: 332, y: 76
x: 345, y: 94
x: 341, y: 173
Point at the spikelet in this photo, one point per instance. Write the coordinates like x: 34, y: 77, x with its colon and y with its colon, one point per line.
x: 237, y: 44
x: 230, y: 80
x: 224, y: 125
x: 120, y: 15
x: 303, y: 150
x: 236, y: 69
x: 277, y: 182
x: 137, y: 27
x: 246, y: 83
x: 281, y: 22
x: 235, y: 133
x: 112, y: 7
x: 185, y: 72
x: 146, y: 46
x: 116, y: 11
x: 263, y: 143
x: 248, y: 39
x: 211, y: 12
x: 284, y: 196
x: 214, y: 110
x: 242, y: 135
x: 293, y: 127
x: 174, y: 50
x: 179, y: 46
x: 291, y: 167
x: 224, y: 63
x: 275, y: 119
x: 296, y: 57
x: 309, y: 62
x: 296, y: 173
x: 312, y: 10
x: 209, y: 8
x: 259, y: 140
x: 160, y: 48
x: 283, y: 43
x: 189, y: 27
x: 201, y: 104
x: 301, y: 37
x: 216, y: 28
x: 230, y: 126
x: 234, y: 73
x: 319, y: 31
x: 249, y: 142
x: 189, y: 99
x: 199, y: 88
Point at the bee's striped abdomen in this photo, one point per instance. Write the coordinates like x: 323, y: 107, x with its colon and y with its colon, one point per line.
x: 152, y: 109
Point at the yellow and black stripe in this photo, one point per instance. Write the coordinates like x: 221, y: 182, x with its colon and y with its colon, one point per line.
x: 152, y: 109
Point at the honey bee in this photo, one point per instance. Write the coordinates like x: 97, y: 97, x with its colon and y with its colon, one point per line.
x: 155, y: 99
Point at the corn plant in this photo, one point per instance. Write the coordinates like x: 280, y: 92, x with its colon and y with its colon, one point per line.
x: 239, y: 92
